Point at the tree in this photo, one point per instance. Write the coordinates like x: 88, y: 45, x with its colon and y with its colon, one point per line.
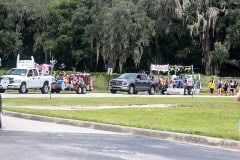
x: 232, y: 30
x: 120, y: 30
x: 220, y: 54
x: 28, y: 22
x: 10, y: 42
x: 201, y: 17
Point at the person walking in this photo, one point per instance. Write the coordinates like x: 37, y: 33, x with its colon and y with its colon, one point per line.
x: 211, y: 86
x: 219, y: 87
x: 235, y: 82
x: 225, y: 87
x: 151, y: 76
x: 231, y: 88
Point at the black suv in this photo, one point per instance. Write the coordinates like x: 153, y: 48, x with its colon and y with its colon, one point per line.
x: 133, y: 83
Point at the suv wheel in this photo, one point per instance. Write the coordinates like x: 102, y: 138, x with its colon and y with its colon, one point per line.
x: 131, y: 90
x: 113, y: 91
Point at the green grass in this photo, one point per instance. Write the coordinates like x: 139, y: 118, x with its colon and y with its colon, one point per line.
x: 110, y: 101
x: 216, y: 117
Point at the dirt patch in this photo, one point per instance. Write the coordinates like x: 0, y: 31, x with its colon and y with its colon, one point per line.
x: 97, y: 107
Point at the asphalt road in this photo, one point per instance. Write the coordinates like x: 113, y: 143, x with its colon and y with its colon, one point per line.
x: 32, y: 140
x: 92, y: 95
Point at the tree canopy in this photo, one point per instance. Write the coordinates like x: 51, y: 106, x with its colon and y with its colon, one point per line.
x: 126, y: 35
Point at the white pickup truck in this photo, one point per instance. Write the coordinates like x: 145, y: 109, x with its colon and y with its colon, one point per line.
x: 22, y: 79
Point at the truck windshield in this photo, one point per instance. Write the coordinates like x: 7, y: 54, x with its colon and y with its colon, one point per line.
x: 20, y: 72
x: 127, y: 76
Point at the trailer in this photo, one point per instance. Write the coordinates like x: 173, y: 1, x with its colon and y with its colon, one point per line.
x: 79, y: 82
x: 178, y: 80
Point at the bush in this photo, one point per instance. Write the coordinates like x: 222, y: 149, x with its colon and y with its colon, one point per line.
x: 100, y: 81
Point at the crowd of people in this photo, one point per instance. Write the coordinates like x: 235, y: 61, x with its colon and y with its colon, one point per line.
x: 175, y: 81
x: 227, y: 87
x: 70, y: 81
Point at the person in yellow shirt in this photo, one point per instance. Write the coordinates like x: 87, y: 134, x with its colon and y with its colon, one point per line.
x: 211, y: 86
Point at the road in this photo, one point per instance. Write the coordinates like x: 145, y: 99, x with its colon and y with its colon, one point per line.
x: 92, y: 95
x: 73, y: 94
x: 32, y: 140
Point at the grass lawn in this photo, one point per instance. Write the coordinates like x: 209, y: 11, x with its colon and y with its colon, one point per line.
x: 215, y: 116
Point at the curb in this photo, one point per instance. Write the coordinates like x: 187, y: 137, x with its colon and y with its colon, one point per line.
x: 163, y: 135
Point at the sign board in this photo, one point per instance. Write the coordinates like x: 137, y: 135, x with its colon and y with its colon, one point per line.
x: 110, y: 70
x: 25, y: 63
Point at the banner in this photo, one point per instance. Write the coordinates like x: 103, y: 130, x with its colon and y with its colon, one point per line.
x: 159, y: 68
x: 171, y: 68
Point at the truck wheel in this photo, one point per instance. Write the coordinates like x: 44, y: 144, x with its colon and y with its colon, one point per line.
x: 45, y: 88
x: 79, y: 90
x: 190, y: 91
x: 23, y: 88
x: 113, y: 91
x: 152, y: 90
x: 131, y: 90
x: 2, y: 90
x: 84, y: 90
x: 185, y: 91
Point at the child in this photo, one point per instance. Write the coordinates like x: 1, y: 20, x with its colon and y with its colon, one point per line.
x: 219, y: 87
x: 231, y: 87
x: 211, y: 86
x: 225, y: 87
x: 235, y: 86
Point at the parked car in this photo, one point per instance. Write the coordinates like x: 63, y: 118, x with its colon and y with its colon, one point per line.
x: 133, y: 83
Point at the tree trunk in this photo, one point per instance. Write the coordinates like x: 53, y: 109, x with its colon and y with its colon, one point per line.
x: 207, y: 57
